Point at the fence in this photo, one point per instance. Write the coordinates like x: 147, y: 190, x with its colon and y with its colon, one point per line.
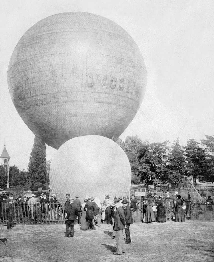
x: 32, y: 214
x: 54, y: 213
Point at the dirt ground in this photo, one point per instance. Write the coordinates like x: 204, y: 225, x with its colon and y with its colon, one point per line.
x: 189, y: 241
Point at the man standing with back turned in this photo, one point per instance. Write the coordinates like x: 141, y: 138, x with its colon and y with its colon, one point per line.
x: 128, y: 219
x: 71, y: 212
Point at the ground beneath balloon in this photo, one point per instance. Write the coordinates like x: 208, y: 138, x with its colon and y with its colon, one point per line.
x: 189, y: 241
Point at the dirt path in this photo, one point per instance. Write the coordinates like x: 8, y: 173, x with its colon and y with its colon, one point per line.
x: 189, y: 241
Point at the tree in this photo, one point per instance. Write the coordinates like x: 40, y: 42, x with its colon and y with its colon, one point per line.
x: 147, y: 160
x: 17, y: 177
x: 176, y: 164
x: 37, y: 167
x: 197, y: 163
x: 208, y: 143
x: 3, y: 177
x: 13, y: 175
x: 131, y: 147
x: 158, y: 160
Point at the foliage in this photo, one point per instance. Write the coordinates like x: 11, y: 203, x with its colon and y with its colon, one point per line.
x: 176, y: 164
x: 37, y: 167
x: 159, y: 162
x: 17, y: 177
x: 3, y: 177
x: 209, y: 147
x: 197, y: 162
x: 146, y: 159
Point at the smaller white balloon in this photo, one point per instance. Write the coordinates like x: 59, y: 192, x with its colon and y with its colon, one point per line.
x: 93, y: 166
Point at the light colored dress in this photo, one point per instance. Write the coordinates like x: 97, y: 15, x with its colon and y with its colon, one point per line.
x: 83, y: 222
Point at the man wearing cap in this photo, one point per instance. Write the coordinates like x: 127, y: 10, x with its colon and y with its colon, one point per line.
x: 71, y: 212
x: 128, y: 219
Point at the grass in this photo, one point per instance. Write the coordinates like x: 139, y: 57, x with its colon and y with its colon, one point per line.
x: 157, y: 242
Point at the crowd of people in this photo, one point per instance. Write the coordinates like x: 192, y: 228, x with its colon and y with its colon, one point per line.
x: 92, y: 213
x: 118, y: 212
x: 121, y: 212
x: 29, y: 208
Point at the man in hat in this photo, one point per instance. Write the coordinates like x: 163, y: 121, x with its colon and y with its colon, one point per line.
x: 78, y: 204
x: 179, y: 212
x: 67, y: 202
x: 90, y: 211
x: 10, y: 212
x: 128, y: 219
x: 118, y: 226
x: 96, y: 210
x: 134, y: 207
x: 71, y: 212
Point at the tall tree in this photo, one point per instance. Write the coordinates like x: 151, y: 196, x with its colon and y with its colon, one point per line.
x: 197, y: 163
x: 3, y: 177
x: 17, y: 177
x: 147, y: 160
x: 176, y: 164
x: 208, y: 143
x: 132, y: 146
x: 37, y: 167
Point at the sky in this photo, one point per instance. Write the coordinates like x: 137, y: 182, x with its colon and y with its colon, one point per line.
x: 176, y: 39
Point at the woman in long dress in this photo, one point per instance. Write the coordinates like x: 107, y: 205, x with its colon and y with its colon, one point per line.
x: 149, y: 216
x: 161, y: 212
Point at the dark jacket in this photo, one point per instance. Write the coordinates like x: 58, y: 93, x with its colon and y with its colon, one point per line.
x: 67, y: 203
x: 119, y: 219
x: 78, y: 204
x: 133, y: 205
x: 90, y: 210
x: 128, y: 215
x: 96, y: 208
x: 72, y: 211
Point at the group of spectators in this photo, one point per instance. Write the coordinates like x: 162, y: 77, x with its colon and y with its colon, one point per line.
x: 175, y: 208
x: 118, y: 212
x: 29, y: 208
x: 121, y: 212
x: 43, y: 207
x: 92, y: 213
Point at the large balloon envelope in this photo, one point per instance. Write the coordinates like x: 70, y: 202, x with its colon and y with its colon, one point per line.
x: 90, y: 166
x: 76, y: 74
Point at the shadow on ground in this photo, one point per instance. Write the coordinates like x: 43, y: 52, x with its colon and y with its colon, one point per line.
x: 109, y: 233
x: 204, y: 247
x: 109, y: 247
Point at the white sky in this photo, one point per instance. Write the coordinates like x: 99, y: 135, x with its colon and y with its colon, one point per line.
x: 176, y: 39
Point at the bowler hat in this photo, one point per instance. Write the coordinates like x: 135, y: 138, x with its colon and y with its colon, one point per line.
x: 125, y: 201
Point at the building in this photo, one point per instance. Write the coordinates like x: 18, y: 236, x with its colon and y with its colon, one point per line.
x: 5, y: 161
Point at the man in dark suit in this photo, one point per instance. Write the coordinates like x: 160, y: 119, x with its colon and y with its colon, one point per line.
x: 71, y: 212
x: 128, y: 219
x: 96, y: 211
x: 90, y: 212
x: 67, y: 202
x: 78, y: 204
x: 118, y: 226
